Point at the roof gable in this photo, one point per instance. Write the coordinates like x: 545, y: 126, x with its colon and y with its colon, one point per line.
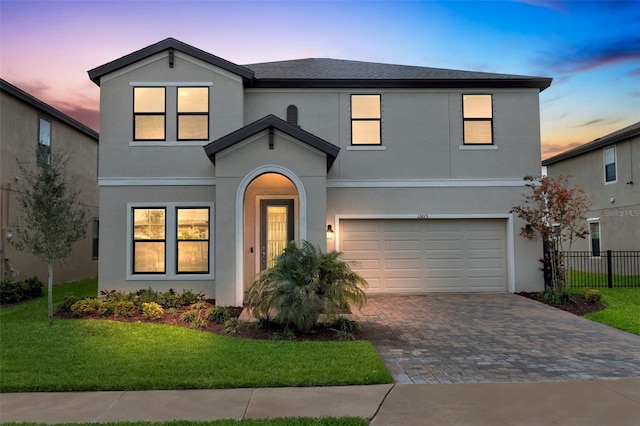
x: 7, y: 87
x: 272, y: 122
x: 610, y: 139
x: 169, y: 43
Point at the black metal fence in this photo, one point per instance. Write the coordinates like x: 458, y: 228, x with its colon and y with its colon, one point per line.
x: 612, y: 269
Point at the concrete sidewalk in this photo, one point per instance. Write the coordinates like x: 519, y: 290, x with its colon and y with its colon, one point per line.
x: 611, y: 402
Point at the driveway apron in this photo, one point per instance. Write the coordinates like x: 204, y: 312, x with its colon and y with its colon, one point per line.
x: 481, y: 338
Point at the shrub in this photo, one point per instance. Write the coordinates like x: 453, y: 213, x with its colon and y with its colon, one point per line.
x: 199, y: 322
x: 218, y: 314
x: 345, y: 336
x: 68, y: 301
x: 592, y: 296
x: 345, y: 325
x: 123, y: 308
x: 189, y: 316
x: 304, y: 283
x: 34, y: 287
x: 88, y: 306
x: 152, y: 311
x: 231, y: 325
x: 19, y: 291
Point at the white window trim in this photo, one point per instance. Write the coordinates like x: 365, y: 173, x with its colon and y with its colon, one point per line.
x: 366, y: 148
x: 170, y: 243
x: 478, y: 147
x: 604, y: 164
x: 589, y: 222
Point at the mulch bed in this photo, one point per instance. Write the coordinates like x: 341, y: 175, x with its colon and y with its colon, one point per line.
x: 579, y: 306
x: 245, y: 329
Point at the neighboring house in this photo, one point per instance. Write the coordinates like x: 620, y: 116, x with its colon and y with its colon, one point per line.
x: 208, y: 168
x: 25, y: 124
x: 608, y: 169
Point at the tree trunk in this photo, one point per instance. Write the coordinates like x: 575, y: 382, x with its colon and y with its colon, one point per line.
x: 50, y: 291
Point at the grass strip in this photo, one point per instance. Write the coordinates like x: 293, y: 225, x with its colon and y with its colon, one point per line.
x: 622, y: 311
x: 91, y: 355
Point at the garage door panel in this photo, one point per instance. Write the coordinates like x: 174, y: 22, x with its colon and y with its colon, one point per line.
x: 403, y: 283
x: 361, y: 245
x: 428, y: 255
x: 403, y: 245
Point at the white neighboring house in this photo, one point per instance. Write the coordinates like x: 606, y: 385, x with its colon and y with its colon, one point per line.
x: 208, y: 168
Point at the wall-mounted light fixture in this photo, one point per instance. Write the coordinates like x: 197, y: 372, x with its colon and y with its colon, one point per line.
x: 9, y: 236
x: 329, y: 232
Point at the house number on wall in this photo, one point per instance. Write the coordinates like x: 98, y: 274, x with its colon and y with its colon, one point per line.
x: 423, y: 216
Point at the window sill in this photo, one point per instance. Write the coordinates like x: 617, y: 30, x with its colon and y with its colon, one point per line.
x: 366, y: 148
x: 478, y: 147
x: 172, y: 143
x: 169, y: 277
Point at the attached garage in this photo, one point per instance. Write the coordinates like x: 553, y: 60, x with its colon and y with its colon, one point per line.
x: 430, y: 255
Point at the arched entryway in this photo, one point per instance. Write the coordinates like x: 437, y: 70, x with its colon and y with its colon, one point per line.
x: 271, y: 206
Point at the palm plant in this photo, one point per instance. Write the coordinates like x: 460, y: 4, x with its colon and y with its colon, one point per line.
x: 304, y: 283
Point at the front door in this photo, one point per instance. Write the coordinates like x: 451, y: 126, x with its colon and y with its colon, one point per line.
x: 276, y: 229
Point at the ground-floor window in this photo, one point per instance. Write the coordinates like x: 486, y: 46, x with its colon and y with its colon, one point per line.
x: 170, y: 239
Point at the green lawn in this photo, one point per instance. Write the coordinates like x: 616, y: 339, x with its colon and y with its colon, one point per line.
x: 623, y: 310
x: 327, y: 421
x: 595, y: 280
x: 75, y: 355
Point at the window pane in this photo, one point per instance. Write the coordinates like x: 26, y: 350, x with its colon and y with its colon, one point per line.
x: 610, y: 171
x: 148, y: 224
x: 365, y: 132
x: 193, y: 224
x: 477, y: 106
x: 149, y: 127
x: 193, y: 256
x: 193, y: 99
x: 477, y: 132
x: 594, y: 230
x: 193, y: 127
x: 45, y: 132
x: 365, y: 106
x: 148, y: 99
x: 610, y: 156
x: 149, y: 257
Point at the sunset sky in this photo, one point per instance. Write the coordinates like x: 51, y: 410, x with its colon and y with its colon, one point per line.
x: 590, y: 49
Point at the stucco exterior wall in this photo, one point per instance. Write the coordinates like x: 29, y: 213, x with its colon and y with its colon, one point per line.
x: 19, y: 127
x: 615, y: 204
x: 115, y: 241
x: 421, y: 132
x: 443, y: 202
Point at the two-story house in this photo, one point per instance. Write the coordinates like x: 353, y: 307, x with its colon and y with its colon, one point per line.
x: 208, y: 168
x: 27, y: 123
x: 608, y: 169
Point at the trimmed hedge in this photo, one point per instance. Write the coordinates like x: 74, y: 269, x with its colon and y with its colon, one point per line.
x: 19, y: 291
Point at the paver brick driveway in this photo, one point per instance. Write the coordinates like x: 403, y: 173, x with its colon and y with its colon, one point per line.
x: 469, y: 338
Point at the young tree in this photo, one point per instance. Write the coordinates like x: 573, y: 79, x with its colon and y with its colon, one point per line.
x: 554, y: 212
x: 51, y: 220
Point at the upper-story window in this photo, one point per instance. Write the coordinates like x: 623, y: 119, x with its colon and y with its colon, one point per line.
x: 193, y: 113
x: 44, y: 141
x: 149, y: 108
x: 610, y: 174
x: 477, y: 112
x: 366, y: 118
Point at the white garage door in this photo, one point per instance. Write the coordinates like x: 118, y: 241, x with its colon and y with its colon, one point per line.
x: 434, y: 255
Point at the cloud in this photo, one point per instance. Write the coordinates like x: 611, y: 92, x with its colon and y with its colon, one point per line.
x: 551, y: 149
x: 87, y: 115
x: 590, y: 123
x: 592, y: 55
